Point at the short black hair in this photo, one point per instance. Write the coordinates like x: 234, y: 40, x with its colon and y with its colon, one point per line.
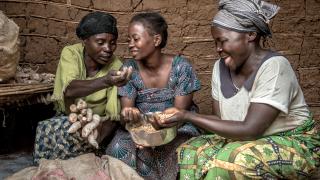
x: 155, y: 23
x: 96, y: 23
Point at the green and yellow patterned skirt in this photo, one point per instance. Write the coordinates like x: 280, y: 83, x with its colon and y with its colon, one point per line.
x: 288, y: 155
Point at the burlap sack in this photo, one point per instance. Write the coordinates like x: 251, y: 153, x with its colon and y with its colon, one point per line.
x: 84, y: 167
x: 9, y: 49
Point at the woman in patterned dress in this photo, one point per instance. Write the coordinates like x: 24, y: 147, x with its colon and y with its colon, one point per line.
x: 159, y: 81
x: 261, y: 127
x: 86, y: 70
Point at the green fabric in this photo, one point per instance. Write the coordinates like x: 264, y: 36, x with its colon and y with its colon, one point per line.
x: 71, y: 67
x: 292, y: 154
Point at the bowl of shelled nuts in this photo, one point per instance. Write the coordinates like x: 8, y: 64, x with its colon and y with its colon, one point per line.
x: 145, y: 134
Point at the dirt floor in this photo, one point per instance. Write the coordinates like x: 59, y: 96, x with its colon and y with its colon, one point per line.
x: 17, y: 133
x: 11, y: 163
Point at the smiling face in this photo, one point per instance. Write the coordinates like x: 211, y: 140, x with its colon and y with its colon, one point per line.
x: 141, y: 43
x: 232, y: 46
x: 100, y: 47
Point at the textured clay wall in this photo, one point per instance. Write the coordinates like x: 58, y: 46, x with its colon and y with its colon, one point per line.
x: 47, y: 26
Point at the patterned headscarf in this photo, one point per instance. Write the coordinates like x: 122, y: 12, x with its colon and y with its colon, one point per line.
x: 245, y: 15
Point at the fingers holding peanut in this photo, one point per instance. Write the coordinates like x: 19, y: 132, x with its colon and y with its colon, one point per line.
x: 121, y: 77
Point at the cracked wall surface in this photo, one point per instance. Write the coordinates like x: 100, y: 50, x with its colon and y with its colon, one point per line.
x: 47, y: 26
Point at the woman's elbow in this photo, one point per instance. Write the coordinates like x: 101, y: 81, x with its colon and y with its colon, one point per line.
x: 69, y: 94
x: 249, y: 138
x: 250, y: 134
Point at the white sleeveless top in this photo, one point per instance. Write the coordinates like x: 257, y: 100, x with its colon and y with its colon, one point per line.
x: 274, y: 83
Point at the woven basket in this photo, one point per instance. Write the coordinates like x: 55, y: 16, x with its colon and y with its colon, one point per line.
x: 25, y: 94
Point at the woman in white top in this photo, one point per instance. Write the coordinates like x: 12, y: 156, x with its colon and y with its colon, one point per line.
x: 261, y: 127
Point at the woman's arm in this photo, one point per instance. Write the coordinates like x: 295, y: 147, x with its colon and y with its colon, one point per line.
x: 83, y: 88
x: 183, y: 102
x: 126, y: 102
x: 258, y: 119
x: 129, y: 112
x: 187, y: 83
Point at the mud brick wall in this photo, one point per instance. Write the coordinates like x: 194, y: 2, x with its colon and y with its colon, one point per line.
x: 47, y: 26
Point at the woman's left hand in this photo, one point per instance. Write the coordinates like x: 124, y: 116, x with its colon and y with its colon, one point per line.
x: 176, y: 118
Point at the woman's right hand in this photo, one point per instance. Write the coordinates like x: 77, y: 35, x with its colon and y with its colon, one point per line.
x: 130, y: 115
x: 178, y: 116
x: 119, y: 78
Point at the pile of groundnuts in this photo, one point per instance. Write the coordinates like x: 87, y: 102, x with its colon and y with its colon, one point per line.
x: 83, y: 120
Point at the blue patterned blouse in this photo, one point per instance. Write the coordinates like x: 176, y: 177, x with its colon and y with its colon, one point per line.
x: 182, y: 81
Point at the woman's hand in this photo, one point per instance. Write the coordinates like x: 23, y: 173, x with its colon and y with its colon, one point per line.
x: 177, y: 117
x: 119, y: 78
x: 130, y: 115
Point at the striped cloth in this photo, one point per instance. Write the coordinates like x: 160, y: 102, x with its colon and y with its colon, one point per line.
x: 245, y: 15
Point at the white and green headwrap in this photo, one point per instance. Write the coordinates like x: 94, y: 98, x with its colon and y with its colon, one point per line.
x: 245, y: 15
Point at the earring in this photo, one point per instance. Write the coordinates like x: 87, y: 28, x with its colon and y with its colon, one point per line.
x: 157, y: 44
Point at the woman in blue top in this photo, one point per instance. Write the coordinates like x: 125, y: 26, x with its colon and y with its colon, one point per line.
x: 159, y: 81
